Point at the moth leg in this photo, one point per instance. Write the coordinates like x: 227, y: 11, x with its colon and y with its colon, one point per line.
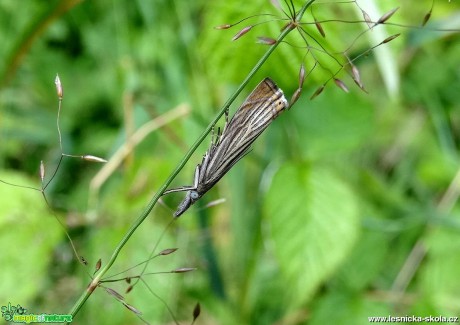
x: 212, y: 135
x: 186, y: 188
x: 197, y: 177
x: 226, y: 115
x: 226, y: 120
x: 179, y: 189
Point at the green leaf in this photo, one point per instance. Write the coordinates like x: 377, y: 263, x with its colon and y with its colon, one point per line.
x: 332, y: 125
x: 28, y: 236
x: 439, y: 279
x: 340, y: 308
x: 314, y: 223
x: 366, y: 261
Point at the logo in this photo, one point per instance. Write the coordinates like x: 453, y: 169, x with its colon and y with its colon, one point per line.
x: 18, y: 314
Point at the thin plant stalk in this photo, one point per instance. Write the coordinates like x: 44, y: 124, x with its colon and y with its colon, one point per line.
x: 95, y: 282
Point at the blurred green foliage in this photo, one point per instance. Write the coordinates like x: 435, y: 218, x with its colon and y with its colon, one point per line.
x: 347, y: 207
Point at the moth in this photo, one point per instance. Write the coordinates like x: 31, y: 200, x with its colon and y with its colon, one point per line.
x: 256, y: 113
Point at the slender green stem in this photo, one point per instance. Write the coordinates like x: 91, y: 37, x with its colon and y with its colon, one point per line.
x: 94, y: 283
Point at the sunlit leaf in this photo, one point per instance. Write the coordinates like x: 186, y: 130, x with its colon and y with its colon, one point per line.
x: 314, y: 222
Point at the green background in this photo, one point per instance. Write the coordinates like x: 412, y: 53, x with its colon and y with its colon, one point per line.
x: 345, y: 208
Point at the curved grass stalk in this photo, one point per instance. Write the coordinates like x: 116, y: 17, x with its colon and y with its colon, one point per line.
x: 95, y: 282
